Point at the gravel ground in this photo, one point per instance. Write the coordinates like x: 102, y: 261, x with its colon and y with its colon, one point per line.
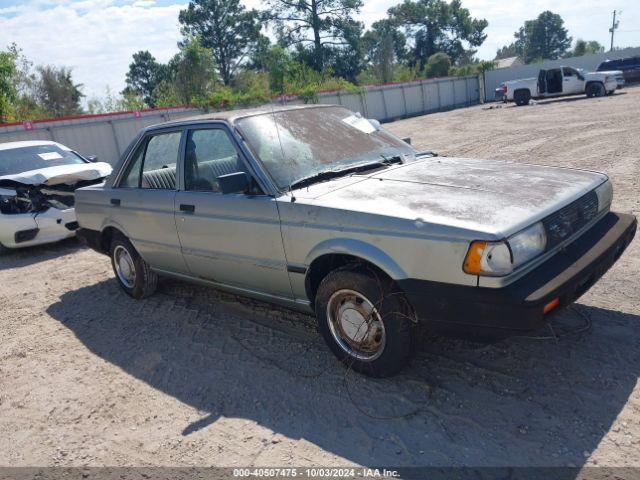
x: 193, y: 376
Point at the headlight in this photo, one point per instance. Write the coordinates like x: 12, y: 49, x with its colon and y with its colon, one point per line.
x: 605, y: 195
x: 500, y: 258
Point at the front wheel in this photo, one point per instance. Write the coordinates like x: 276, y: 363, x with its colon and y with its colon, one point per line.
x: 3, y: 249
x: 134, y: 275
x: 365, y: 322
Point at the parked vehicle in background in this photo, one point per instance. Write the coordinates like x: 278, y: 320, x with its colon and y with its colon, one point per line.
x: 561, y: 81
x: 37, y: 184
x: 319, y: 209
x: 630, y: 68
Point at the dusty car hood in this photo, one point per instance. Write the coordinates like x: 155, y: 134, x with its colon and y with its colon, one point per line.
x: 61, y: 174
x: 489, y: 196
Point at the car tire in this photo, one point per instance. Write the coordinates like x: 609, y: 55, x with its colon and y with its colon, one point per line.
x: 522, y: 97
x: 353, y: 296
x: 133, y: 274
x: 4, y: 249
x: 595, y: 90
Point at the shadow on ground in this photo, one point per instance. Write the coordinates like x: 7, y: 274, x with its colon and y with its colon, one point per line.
x: 522, y: 402
x: 23, y: 257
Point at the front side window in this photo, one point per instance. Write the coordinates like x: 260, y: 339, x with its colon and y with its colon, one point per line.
x: 153, y: 166
x: 296, y: 144
x: 209, y: 154
x: 569, y: 72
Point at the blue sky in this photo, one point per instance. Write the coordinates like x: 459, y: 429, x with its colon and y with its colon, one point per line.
x: 96, y: 38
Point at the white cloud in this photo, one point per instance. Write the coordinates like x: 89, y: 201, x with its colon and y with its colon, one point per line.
x: 98, y: 37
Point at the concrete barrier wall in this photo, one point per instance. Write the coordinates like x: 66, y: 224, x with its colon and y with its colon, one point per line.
x: 493, y: 78
x: 107, y: 136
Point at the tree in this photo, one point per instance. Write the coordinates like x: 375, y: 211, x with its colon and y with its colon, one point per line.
x: 584, y: 47
x: 56, y: 91
x: 192, y: 71
x: 438, y: 65
x: 144, y: 75
x: 8, y: 90
x: 508, y: 51
x: 316, y: 25
x: 437, y: 26
x: 227, y: 28
x: 544, y: 38
x: 384, y: 46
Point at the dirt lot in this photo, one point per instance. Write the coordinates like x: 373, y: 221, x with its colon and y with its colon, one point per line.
x: 192, y: 376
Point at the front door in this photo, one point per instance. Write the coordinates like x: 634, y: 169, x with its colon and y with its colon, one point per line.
x: 231, y: 239
x: 143, y: 201
x: 571, y: 81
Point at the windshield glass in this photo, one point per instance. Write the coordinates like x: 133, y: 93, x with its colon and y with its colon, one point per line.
x: 297, y: 144
x: 24, y: 159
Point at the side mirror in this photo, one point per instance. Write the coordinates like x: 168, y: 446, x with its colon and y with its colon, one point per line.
x: 238, y: 182
x: 375, y: 123
x: 92, y: 158
x: 407, y: 140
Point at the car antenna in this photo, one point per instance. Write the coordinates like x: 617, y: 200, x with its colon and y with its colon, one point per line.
x: 273, y: 117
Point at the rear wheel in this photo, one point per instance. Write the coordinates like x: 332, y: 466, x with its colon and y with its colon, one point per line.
x: 365, y: 321
x: 595, y: 90
x: 133, y: 274
x: 3, y: 249
x: 522, y: 97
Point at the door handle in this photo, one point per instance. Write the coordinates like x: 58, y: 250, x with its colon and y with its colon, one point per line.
x: 115, y: 202
x: 187, y: 208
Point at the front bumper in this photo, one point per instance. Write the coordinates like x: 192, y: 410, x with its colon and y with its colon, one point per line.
x: 28, y: 229
x: 519, y: 307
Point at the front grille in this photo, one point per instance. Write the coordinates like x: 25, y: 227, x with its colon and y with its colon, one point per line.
x: 568, y: 220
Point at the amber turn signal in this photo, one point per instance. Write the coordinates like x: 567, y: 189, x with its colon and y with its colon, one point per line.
x: 474, y: 256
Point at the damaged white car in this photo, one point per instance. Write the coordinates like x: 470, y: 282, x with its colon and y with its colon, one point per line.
x: 38, y: 180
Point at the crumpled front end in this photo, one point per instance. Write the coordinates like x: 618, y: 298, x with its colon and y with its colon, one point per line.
x: 34, y: 214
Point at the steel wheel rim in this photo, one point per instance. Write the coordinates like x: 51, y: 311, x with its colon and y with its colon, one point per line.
x: 124, y: 266
x: 356, y: 325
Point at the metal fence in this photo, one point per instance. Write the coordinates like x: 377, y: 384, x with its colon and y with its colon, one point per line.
x: 108, y: 135
x: 493, y: 78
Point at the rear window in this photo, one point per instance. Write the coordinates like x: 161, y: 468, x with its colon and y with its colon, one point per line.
x: 25, y: 159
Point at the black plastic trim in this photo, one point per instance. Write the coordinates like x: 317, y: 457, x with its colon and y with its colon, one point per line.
x: 519, y: 306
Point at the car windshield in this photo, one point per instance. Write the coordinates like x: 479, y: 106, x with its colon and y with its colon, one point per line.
x: 24, y: 159
x: 297, y: 144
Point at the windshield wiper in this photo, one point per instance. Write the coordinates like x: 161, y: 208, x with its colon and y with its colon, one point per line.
x: 329, y: 174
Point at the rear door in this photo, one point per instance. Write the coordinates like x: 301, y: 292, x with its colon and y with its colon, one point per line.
x: 142, y: 204
x: 231, y: 239
x: 542, y: 82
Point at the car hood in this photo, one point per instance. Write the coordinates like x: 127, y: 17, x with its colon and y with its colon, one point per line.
x: 490, y: 196
x: 61, y: 174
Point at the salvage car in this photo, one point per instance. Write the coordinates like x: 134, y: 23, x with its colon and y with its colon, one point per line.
x: 37, y: 184
x: 562, y: 81
x: 322, y: 210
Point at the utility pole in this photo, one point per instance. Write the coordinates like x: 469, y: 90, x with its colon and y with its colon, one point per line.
x: 614, y: 26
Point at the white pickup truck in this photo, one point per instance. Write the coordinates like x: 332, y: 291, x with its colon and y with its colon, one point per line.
x: 561, y: 81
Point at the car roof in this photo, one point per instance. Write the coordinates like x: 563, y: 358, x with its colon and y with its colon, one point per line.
x: 29, y: 143
x: 231, y: 116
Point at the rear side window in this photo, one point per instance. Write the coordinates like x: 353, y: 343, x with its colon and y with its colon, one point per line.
x: 154, y: 164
